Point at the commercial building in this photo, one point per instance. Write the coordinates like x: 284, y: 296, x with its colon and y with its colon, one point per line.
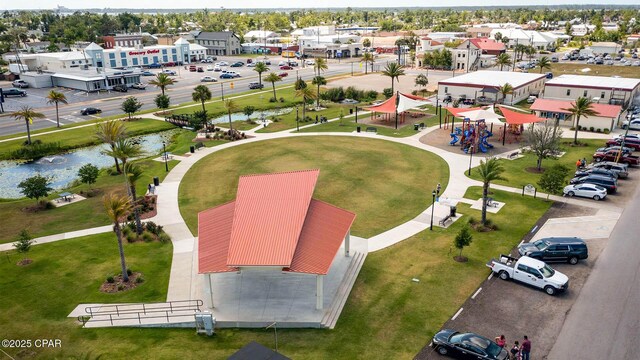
x: 469, y: 54
x: 487, y: 83
x: 219, y: 42
x: 602, y: 89
x: 427, y: 44
x: 600, y: 48
x: 261, y: 37
x: 324, y: 41
x: 606, y: 116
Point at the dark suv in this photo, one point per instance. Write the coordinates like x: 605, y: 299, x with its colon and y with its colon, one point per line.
x: 570, y: 249
x: 606, y: 182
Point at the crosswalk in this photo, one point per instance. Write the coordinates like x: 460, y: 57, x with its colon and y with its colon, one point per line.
x: 65, y: 119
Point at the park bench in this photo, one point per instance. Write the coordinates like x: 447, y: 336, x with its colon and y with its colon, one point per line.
x: 443, y: 222
x: 199, y: 145
x: 491, y: 202
x: 371, y: 129
x: 514, y: 154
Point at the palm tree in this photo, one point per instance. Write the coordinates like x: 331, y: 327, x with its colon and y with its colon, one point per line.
x: 504, y: 60
x: 162, y: 80
x: 320, y: 65
x: 367, y: 58
x: 489, y: 171
x: 394, y: 71
x: 118, y: 207
x: 306, y: 93
x: 202, y: 94
x: 27, y: 114
x: 581, y: 107
x: 124, y: 149
x: 272, y: 78
x: 260, y: 68
x: 132, y: 174
x: 319, y: 81
x: 109, y: 132
x: 505, y: 90
x: 54, y: 97
x: 544, y: 63
x: 231, y: 106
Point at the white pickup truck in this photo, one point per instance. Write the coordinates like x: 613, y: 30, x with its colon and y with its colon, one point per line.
x: 530, y: 271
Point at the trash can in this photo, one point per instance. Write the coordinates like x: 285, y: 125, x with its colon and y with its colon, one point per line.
x: 358, y: 129
x: 452, y: 211
x: 192, y: 149
x: 156, y: 181
x: 416, y: 127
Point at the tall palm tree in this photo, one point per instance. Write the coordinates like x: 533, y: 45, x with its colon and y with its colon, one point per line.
x: 202, y: 94
x: 306, y: 93
x: 118, y: 207
x: 504, y: 60
x: 544, y: 63
x: 260, y: 68
x: 581, y: 107
x: 318, y: 81
x: 132, y: 174
x: 505, y: 90
x: 231, y: 107
x: 272, y: 78
x: 109, y: 132
x: 490, y: 170
x: 320, y: 65
x: 367, y: 58
x: 27, y: 114
x: 54, y: 97
x: 162, y: 80
x: 124, y: 149
x: 394, y: 71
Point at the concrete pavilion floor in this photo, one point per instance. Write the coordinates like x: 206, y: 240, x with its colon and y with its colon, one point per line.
x: 257, y: 298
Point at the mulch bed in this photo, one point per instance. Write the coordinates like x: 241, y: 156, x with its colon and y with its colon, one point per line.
x: 460, y: 258
x: 534, y: 170
x: 24, y: 262
x: 111, y: 288
x: 151, y: 213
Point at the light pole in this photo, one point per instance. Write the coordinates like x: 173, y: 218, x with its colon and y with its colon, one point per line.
x: 222, y: 90
x: 433, y: 205
x: 164, y: 151
x: 297, y: 120
x: 470, y: 158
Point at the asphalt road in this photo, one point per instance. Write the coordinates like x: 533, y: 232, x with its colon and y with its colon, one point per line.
x: 179, y: 93
x: 604, y: 322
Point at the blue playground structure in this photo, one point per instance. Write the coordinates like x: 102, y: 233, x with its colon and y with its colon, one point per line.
x: 484, y: 145
x: 454, y: 139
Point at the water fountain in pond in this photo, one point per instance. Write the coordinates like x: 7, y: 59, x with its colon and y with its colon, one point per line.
x: 51, y: 160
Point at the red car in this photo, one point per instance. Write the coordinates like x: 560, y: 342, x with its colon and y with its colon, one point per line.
x: 286, y: 67
x: 283, y: 74
x: 613, y: 155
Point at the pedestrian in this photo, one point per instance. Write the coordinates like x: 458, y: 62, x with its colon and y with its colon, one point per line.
x: 583, y: 162
x: 501, y: 341
x: 525, y: 349
x: 149, y: 189
x: 515, y: 351
x: 578, y: 163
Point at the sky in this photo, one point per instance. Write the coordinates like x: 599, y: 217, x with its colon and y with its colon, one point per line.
x: 253, y: 4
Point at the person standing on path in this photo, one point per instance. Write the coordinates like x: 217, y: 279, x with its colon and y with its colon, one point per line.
x: 526, y: 348
x: 501, y: 341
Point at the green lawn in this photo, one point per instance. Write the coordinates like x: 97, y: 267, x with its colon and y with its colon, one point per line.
x: 183, y: 139
x: 84, y: 136
x: 387, y: 316
x: 349, y: 125
x: 517, y: 175
x: 382, y: 182
x: 596, y: 70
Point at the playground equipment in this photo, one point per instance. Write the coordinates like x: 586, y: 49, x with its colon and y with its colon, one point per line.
x: 454, y: 139
x: 484, y: 145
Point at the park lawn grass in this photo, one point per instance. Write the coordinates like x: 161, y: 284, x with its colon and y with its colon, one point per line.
x: 76, y: 216
x: 84, y: 136
x: 288, y: 121
x: 240, y: 125
x: 516, y: 173
x: 349, y: 125
x: 382, y: 182
x: 184, y: 139
x: 596, y: 70
x: 387, y: 316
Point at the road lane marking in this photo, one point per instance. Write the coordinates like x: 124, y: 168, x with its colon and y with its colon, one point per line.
x: 490, y: 276
x: 458, y: 313
x: 53, y: 121
x: 476, y: 293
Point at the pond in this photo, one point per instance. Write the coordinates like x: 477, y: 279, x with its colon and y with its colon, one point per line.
x: 258, y: 115
x: 63, y: 168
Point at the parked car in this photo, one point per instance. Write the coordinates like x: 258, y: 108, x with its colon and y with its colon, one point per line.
x: 223, y: 63
x: 237, y: 64
x: 154, y: 66
x: 14, y: 92
x: 596, y: 171
x: 595, y: 192
x: 90, y: 111
x: 554, y: 59
x: 569, y: 249
x: 599, y: 61
x: 208, y: 79
x: 349, y: 101
x: 228, y: 75
x: 531, y: 99
x: 292, y: 63
x: 209, y: 68
x: 253, y: 64
x: 20, y: 84
x: 139, y: 86
x: 621, y: 169
x: 147, y: 73
x: 283, y: 74
x: 549, y: 75
x: 169, y: 72
x: 606, y: 182
x: 217, y: 68
x: 625, y: 149
x: 282, y: 63
x: 286, y: 67
x: 531, y: 272
x: 120, y: 88
x: 614, y: 155
x: 633, y: 124
x: 255, y: 85
x: 193, y: 68
x: 467, y: 346
x: 310, y: 62
x: 267, y: 62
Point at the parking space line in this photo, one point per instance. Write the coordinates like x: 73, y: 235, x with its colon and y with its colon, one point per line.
x: 521, y: 242
x: 490, y: 276
x: 458, y: 313
x: 476, y: 293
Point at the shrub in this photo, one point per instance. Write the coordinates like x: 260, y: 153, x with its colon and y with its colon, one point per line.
x: 110, y: 279
x: 472, y: 220
x: 598, y: 130
x: 164, y: 237
x: 591, y: 129
x: 573, y: 128
x: 606, y: 131
x: 153, y: 227
x: 132, y: 236
x: 126, y: 231
x: 272, y: 100
x: 387, y: 92
x: 414, y: 93
x: 139, y: 280
x: 120, y: 287
x: 129, y: 272
x: 281, y: 99
x: 147, y: 236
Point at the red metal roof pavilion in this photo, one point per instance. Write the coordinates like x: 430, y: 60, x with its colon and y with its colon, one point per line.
x: 274, y: 222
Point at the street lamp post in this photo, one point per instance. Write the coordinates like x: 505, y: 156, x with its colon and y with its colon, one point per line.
x: 433, y: 205
x: 470, y: 158
x: 297, y: 120
x: 164, y: 151
x: 222, y: 90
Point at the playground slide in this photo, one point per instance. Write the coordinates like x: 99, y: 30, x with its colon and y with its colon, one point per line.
x: 482, y: 146
x: 454, y: 139
x: 485, y: 142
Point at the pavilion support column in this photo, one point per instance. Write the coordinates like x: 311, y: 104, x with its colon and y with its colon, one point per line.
x: 347, y: 243
x: 210, y: 287
x: 319, y: 292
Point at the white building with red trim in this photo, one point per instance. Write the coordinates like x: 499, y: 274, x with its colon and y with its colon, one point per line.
x: 479, y: 83
x: 602, y: 89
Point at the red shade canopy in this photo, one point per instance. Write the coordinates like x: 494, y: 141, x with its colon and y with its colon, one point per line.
x: 518, y: 118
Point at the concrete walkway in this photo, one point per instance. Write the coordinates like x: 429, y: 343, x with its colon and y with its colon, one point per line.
x: 63, y: 236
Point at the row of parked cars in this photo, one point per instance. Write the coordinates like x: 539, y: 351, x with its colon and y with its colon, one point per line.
x: 530, y: 268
